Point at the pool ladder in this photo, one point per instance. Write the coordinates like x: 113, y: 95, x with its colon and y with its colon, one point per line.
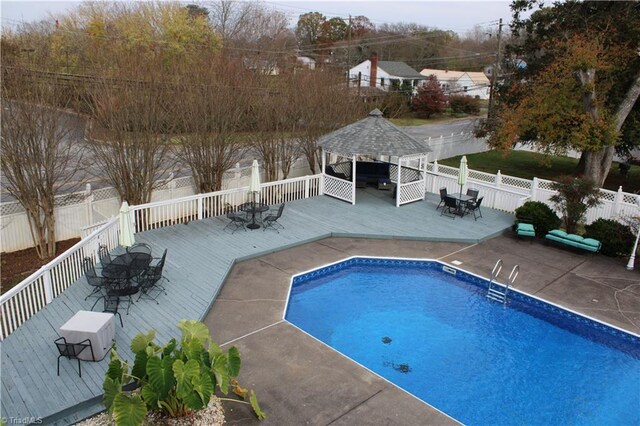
x: 498, y: 292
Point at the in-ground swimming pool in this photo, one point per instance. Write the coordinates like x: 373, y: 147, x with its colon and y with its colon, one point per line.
x: 435, y: 334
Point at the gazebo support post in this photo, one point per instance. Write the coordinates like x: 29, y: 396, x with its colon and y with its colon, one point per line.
x: 353, y: 180
x: 398, y: 181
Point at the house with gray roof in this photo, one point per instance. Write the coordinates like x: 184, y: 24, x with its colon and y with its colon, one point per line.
x: 385, y: 75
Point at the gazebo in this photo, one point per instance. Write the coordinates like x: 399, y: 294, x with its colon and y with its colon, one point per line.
x: 378, y: 140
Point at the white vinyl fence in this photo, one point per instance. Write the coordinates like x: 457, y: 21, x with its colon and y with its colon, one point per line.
x: 507, y: 193
x: 90, y: 208
x: 24, y: 300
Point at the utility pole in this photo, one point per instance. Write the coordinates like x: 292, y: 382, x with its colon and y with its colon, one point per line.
x: 494, y: 74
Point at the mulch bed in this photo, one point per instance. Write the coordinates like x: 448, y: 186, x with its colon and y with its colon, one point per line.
x: 18, y: 265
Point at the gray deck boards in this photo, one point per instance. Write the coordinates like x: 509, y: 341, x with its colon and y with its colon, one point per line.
x: 199, y: 257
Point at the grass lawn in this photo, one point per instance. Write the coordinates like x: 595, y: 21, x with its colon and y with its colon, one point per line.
x: 528, y: 165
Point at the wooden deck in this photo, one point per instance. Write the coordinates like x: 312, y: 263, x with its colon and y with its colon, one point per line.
x: 200, y: 255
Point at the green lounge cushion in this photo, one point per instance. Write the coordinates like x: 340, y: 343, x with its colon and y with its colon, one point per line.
x: 574, y: 237
x: 591, y: 242
x: 525, y: 227
x: 558, y: 233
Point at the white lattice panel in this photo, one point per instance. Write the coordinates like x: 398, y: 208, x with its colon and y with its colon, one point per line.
x: 446, y: 170
x: 344, y: 168
x: 631, y: 198
x: 11, y: 208
x: 481, y: 176
x: 105, y: 193
x: 516, y: 182
x: 545, y: 184
x: 338, y: 188
x: 607, y: 195
x: 412, y: 191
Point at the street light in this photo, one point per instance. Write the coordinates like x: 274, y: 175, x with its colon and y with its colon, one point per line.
x: 632, y: 258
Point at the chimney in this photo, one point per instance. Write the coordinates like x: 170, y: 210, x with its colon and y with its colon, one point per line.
x: 373, y: 76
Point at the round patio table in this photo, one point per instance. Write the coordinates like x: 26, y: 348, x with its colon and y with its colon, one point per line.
x: 253, y: 208
x: 126, y: 266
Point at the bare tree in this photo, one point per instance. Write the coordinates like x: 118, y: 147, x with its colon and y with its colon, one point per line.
x: 132, y: 126
x: 38, y: 155
x: 213, y: 108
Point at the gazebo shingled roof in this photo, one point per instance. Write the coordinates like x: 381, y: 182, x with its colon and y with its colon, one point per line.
x: 373, y: 135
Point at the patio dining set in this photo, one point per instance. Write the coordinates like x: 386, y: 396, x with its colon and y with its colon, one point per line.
x: 459, y: 204
x: 89, y: 335
x: 253, y: 215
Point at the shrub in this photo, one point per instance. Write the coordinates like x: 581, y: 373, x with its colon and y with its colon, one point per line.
x: 175, y: 379
x: 464, y: 104
x: 616, y: 238
x: 542, y: 217
x: 429, y: 99
x: 575, y: 196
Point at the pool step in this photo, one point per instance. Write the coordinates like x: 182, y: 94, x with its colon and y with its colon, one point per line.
x: 499, y: 292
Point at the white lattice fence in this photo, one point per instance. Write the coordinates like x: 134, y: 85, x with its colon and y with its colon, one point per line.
x: 412, y: 191
x: 338, y: 188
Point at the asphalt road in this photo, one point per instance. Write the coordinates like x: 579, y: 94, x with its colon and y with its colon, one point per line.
x: 91, y: 173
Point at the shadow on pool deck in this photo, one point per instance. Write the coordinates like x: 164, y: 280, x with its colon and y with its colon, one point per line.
x: 299, y: 380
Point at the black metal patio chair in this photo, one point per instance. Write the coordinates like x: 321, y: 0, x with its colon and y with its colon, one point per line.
x: 139, y: 248
x: 473, y: 193
x: 149, y: 282
x: 98, y: 283
x: 72, y: 350
x: 474, y: 206
x: 111, y: 306
x: 237, y: 220
x: 443, y: 195
x: 103, y: 255
x: 450, y: 207
x: 271, y: 220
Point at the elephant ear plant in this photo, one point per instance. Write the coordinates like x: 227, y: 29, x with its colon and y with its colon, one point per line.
x: 174, y: 378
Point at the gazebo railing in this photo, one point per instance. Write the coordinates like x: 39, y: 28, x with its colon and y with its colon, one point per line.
x: 338, y: 188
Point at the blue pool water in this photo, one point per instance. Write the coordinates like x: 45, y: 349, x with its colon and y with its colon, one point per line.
x: 437, y: 336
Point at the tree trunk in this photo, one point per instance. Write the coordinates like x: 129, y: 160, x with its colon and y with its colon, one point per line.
x: 595, y: 165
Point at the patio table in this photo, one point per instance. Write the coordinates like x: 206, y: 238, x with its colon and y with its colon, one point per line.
x: 253, y: 208
x: 461, y: 199
x: 98, y: 327
x: 126, y: 266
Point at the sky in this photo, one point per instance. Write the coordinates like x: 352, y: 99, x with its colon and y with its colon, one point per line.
x: 458, y: 16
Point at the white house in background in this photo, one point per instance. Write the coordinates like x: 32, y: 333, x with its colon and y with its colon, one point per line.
x: 307, y: 62
x: 383, y: 74
x: 474, y: 84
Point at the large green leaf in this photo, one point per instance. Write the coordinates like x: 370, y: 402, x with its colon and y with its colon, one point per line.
x: 129, y: 410
x: 139, y: 369
x: 214, y: 349
x: 221, y: 372
x: 233, y: 364
x: 150, y: 397
x: 194, y: 330
x: 141, y: 341
x: 114, y: 370
x: 184, y: 374
x: 111, y: 388
x: 160, y: 375
x: 169, y: 347
x: 203, y: 385
x: 192, y: 349
x: 256, y: 408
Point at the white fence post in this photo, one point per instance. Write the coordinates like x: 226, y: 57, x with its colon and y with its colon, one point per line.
x: 306, y: 186
x: 171, y: 185
x: 237, y: 175
x: 89, y: 203
x: 48, y: 286
x: 617, y: 203
x: 200, y: 208
x: 498, y: 179
x: 534, y: 188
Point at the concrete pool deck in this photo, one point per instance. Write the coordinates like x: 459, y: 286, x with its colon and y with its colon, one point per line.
x: 299, y: 380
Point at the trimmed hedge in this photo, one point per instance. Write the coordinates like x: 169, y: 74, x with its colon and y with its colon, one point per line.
x: 540, y: 215
x: 616, y: 238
